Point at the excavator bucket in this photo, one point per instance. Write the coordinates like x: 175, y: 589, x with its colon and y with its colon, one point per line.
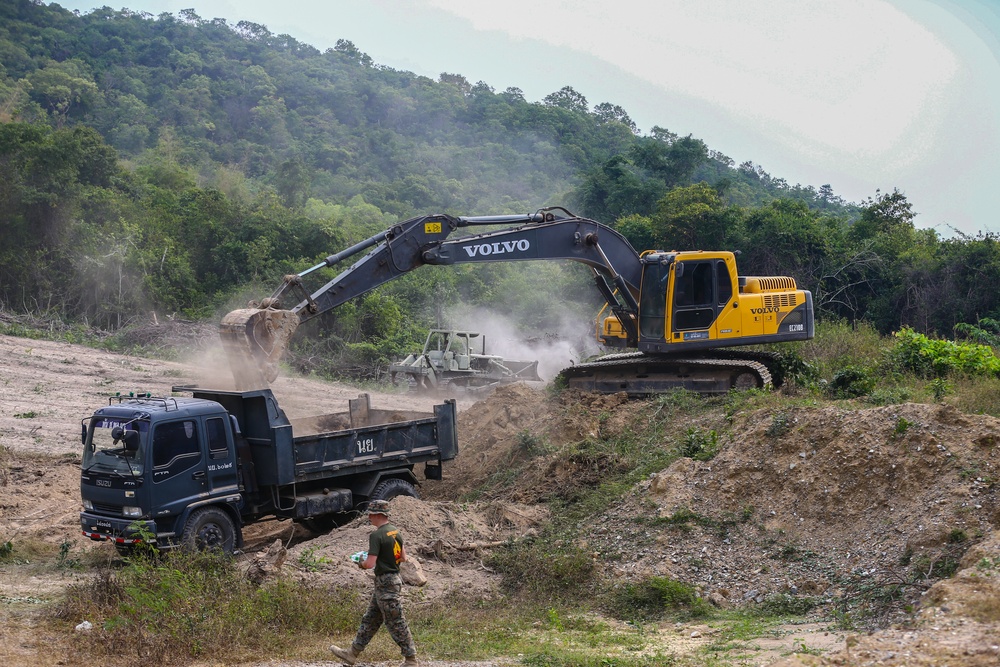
x: 254, y: 340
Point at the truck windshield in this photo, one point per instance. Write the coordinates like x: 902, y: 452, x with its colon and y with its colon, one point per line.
x: 116, y: 445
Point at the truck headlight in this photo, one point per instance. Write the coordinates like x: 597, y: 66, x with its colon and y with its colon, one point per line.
x: 87, y: 505
x: 133, y: 512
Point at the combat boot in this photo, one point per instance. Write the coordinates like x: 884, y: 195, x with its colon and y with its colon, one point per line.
x: 409, y: 661
x: 347, y: 655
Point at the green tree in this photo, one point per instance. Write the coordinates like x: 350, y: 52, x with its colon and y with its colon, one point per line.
x: 62, y: 87
x: 566, y: 98
x: 785, y: 238
x: 694, y: 218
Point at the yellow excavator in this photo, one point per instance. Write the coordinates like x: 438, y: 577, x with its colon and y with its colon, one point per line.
x: 677, y: 310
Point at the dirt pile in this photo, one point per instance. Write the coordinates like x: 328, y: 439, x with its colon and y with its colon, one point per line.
x: 808, y: 501
x: 517, y: 424
x: 955, y: 625
x: 447, y: 539
x: 857, y: 511
x: 834, y: 497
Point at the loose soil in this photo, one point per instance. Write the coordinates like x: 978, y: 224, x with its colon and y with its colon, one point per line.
x: 836, y: 505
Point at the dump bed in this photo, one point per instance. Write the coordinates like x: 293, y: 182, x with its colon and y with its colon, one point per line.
x: 333, y: 445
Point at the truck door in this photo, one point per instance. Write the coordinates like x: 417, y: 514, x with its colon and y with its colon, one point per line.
x: 178, y: 462
x: 222, y: 474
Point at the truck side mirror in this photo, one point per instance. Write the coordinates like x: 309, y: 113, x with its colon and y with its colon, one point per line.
x: 131, y: 439
x: 83, y: 434
x: 117, y: 433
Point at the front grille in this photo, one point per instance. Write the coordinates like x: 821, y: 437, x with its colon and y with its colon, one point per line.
x: 779, y: 300
x: 108, y: 509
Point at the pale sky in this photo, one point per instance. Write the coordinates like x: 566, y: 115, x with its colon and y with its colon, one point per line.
x: 860, y: 94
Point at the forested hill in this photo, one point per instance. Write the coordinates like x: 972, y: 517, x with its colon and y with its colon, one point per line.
x: 328, y: 125
x: 165, y: 163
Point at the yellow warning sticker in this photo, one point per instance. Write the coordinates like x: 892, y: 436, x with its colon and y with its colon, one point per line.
x: 432, y: 228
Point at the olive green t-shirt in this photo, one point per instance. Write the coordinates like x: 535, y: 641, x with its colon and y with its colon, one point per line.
x: 386, y: 544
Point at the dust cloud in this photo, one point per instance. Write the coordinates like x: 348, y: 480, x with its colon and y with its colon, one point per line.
x: 572, y: 341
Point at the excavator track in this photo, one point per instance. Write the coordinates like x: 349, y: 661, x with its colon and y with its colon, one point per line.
x: 639, y: 374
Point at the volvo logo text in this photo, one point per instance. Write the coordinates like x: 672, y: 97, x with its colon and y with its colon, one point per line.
x: 498, y: 248
x: 765, y: 309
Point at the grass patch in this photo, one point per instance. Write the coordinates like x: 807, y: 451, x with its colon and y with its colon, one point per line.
x: 548, y: 568
x: 181, y: 607
x: 657, y: 598
x: 736, y: 629
x: 781, y: 605
x: 780, y: 425
x: 699, y: 444
x: 976, y: 395
x: 464, y: 629
x: 837, y: 345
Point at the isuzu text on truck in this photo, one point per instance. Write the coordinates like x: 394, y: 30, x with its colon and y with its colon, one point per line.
x: 193, y: 471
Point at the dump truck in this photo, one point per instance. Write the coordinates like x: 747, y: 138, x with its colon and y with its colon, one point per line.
x: 457, y: 360
x: 193, y: 471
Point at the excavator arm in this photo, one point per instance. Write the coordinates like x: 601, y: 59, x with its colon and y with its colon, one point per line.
x: 255, y: 337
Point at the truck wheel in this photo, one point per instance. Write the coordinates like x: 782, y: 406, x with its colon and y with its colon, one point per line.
x: 388, y: 489
x: 208, y: 529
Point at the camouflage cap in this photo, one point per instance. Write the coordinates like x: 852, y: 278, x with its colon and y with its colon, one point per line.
x: 378, y: 507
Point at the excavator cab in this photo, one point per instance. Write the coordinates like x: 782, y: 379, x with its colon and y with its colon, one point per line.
x: 696, y: 300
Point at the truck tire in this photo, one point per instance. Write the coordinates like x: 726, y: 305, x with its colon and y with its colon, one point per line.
x: 209, y: 529
x: 388, y: 489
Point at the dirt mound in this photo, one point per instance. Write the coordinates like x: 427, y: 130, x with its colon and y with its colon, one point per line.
x: 916, y: 470
x: 956, y: 624
x: 446, y: 538
x: 821, y: 501
x: 833, y: 505
x: 518, y: 423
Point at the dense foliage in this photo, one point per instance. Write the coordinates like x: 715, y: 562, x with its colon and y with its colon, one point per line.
x: 180, y: 165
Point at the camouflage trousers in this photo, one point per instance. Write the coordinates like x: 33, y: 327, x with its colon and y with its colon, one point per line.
x: 386, y: 606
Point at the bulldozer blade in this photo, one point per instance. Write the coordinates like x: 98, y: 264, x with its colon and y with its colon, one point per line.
x: 254, y: 340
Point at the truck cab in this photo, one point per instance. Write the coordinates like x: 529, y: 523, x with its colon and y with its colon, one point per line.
x: 149, y: 462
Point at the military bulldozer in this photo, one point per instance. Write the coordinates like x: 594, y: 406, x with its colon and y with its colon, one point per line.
x: 457, y: 361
